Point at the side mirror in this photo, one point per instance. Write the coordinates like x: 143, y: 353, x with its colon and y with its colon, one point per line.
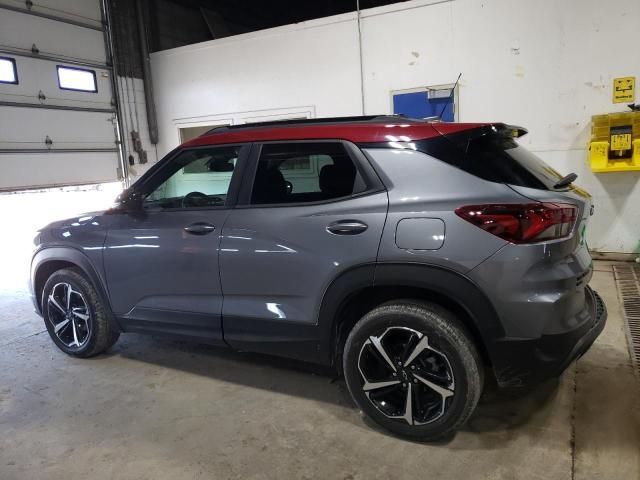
x: 122, y: 195
x: 129, y: 201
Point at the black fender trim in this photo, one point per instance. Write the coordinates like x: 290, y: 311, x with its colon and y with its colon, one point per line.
x: 445, y: 282
x: 451, y: 284
x: 344, y: 287
x: 70, y: 255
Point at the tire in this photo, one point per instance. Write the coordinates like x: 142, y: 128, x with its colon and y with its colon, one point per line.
x: 436, y: 365
x: 93, y: 329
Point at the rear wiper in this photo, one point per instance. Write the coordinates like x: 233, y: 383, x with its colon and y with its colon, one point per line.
x: 567, y: 180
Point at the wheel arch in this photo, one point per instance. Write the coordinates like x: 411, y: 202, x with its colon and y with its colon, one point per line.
x: 363, y: 288
x: 49, y: 260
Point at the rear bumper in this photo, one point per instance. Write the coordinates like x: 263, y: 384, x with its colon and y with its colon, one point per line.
x: 519, y: 363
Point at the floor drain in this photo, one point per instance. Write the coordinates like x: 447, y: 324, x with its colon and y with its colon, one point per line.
x: 628, y: 283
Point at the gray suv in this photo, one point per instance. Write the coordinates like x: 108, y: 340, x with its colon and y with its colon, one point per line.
x: 414, y: 257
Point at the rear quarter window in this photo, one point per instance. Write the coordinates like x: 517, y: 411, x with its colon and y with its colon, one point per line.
x: 492, y: 156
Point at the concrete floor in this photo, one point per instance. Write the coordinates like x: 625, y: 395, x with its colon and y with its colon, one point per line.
x: 155, y: 408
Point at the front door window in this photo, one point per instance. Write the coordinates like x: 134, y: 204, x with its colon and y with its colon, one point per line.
x: 197, y: 178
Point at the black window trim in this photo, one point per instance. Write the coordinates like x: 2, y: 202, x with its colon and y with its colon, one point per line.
x: 15, y: 71
x: 67, y: 67
x: 147, y: 184
x: 371, y: 180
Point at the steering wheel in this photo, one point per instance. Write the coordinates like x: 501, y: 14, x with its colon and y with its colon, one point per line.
x: 195, y: 199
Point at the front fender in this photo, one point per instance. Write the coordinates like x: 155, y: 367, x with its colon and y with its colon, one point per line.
x: 60, y: 255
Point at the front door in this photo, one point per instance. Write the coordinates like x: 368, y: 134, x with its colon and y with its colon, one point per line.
x: 161, y: 263
x: 313, y: 211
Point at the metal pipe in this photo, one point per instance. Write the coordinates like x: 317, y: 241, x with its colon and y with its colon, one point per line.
x: 4, y: 103
x: 58, y: 150
x: 108, y: 45
x: 48, y: 16
x: 53, y: 58
x: 152, y: 120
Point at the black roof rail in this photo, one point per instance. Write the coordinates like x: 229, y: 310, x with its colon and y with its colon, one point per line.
x: 311, y: 121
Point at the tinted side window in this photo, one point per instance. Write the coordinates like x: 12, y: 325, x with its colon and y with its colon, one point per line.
x: 304, y: 172
x: 490, y: 155
x: 196, y: 178
x: 494, y: 157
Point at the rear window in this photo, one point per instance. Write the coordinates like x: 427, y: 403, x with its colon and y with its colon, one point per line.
x: 492, y: 156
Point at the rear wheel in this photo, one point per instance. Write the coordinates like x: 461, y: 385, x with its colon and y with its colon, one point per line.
x: 413, y: 369
x: 75, y: 316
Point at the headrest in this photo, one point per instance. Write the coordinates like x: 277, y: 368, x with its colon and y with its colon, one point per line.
x: 337, y: 180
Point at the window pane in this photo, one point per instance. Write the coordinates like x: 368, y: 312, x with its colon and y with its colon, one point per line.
x: 77, y: 79
x: 304, y: 172
x: 493, y: 157
x: 197, y: 178
x: 8, y: 71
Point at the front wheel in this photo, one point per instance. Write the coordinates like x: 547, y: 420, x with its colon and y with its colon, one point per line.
x: 75, y: 316
x: 413, y: 369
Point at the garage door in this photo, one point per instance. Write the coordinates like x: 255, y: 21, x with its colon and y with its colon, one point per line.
x: 57, y: 120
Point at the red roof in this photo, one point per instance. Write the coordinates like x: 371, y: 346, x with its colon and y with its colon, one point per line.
x: 383, y: 130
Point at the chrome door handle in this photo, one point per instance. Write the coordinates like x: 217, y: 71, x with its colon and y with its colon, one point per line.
x: 199, y: 228
x: 347, y: 227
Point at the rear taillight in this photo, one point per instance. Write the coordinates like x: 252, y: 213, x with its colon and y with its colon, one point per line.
x: 523, y: 223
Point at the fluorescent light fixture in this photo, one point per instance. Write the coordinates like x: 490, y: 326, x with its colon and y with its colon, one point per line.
x: 71, y: 78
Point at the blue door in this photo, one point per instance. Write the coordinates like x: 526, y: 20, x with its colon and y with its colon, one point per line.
x: 419, y: 105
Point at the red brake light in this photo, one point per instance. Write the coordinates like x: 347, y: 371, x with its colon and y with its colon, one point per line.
x: 522, y: 223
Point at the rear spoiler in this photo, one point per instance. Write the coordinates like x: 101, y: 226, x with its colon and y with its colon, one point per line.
x: 472, y: 131
x: 463, y: 137
x: 513, y: 131
x: 501, y: 129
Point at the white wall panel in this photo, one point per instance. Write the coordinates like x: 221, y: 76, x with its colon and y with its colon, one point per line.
x: 309, y: 63
x: 547, y: 65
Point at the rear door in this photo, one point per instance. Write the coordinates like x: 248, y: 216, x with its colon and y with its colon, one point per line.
x: 309, y: 211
